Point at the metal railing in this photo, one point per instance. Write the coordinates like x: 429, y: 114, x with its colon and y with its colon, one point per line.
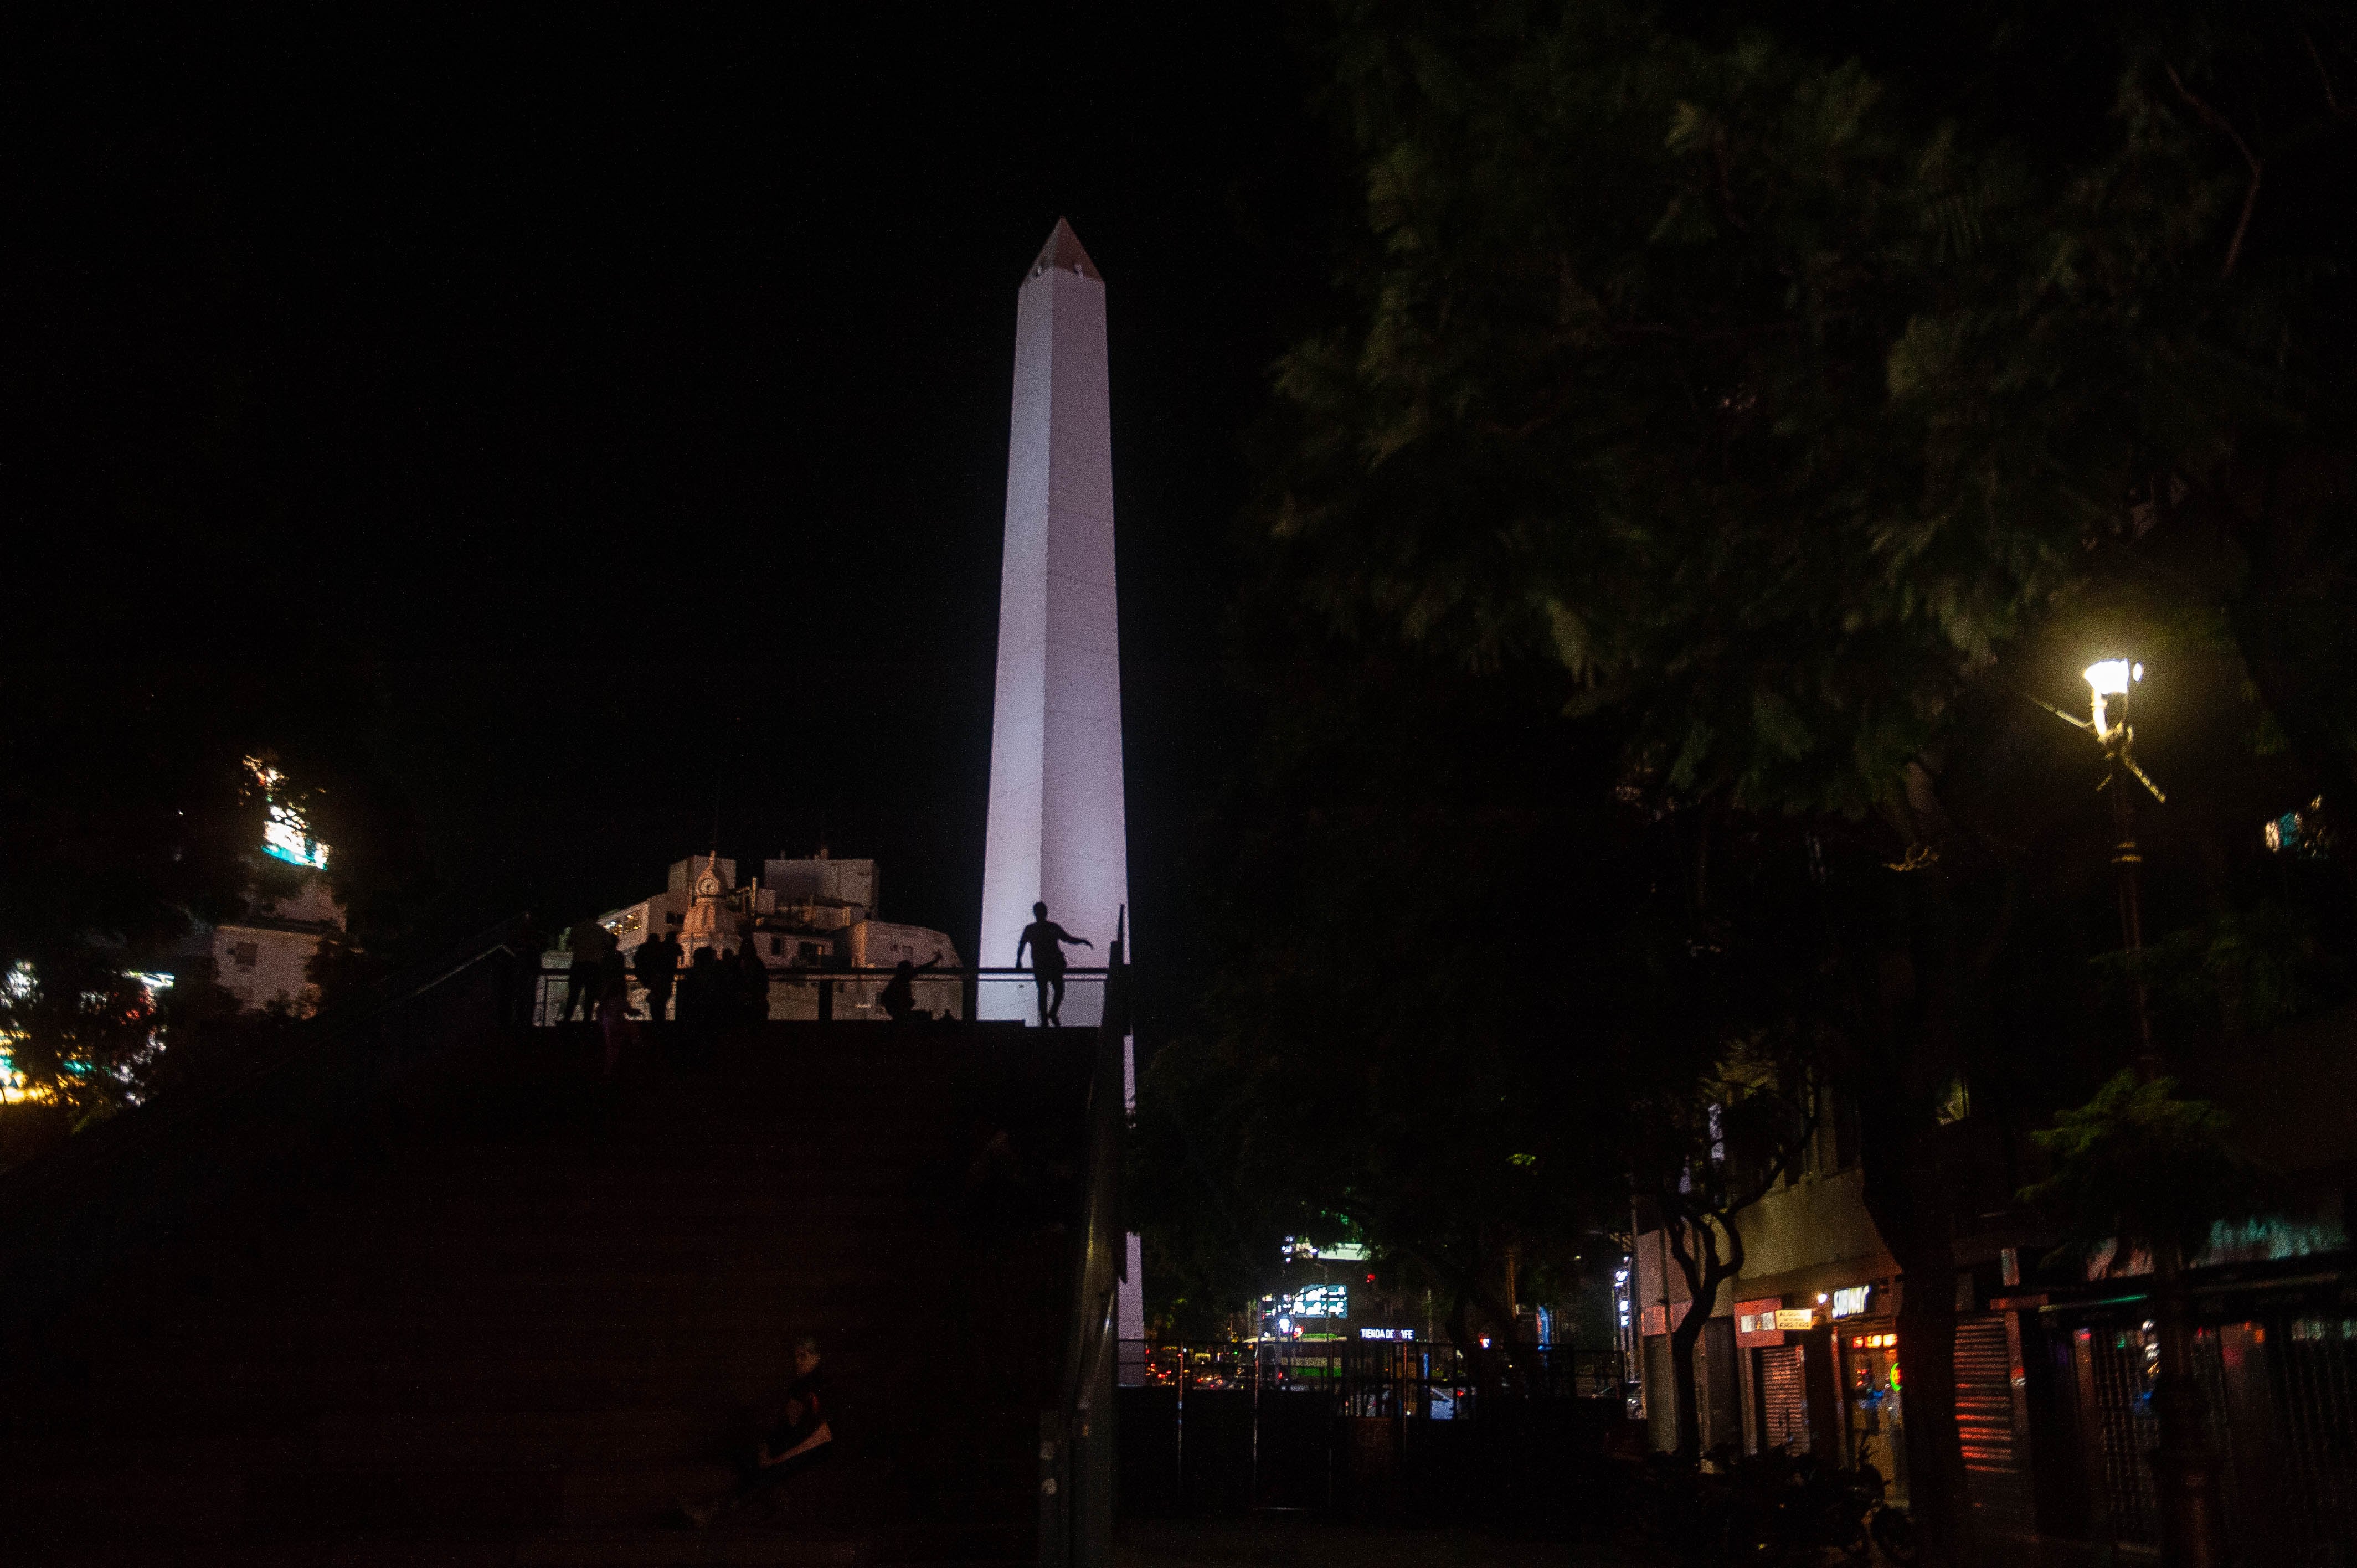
x: 1077, y: 1452
x: 823, y: 995
x: 1408, y: 1376
x: 1394, y: 1429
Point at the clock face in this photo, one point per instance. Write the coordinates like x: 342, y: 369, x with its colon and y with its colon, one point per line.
x: 709, y: 885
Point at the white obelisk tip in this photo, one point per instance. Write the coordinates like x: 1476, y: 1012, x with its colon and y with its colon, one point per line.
x: 1063, y: 253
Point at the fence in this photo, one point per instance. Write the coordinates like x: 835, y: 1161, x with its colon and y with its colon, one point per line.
x: 1378, y: 1429
x: 2280, y: 1393
x: 826, y: 995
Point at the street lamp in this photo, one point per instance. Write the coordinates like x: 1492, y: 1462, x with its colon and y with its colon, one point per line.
x: 2107, y: 679
x: 2184, y: 1467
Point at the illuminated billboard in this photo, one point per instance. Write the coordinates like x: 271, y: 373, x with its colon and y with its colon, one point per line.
x: 288, y: 838
x: 1315, y: 1301
x: 285, y: 835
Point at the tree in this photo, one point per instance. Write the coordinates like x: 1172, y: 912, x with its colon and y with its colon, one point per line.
x: 132, y: 818
x: 1414, y: 1020
x: 1801, y: 399
x: 1699, y: 1159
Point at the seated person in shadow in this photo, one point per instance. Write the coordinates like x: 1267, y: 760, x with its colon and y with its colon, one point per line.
x: 899, y: 993
x: 804, y: 1440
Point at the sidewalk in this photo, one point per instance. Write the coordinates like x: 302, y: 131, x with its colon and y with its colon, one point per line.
x: 1307, y: 1543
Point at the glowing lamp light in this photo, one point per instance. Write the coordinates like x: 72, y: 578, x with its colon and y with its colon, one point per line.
x: 2110, y: 677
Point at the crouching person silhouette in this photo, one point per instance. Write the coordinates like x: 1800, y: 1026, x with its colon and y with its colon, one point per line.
x: 805, y: 1440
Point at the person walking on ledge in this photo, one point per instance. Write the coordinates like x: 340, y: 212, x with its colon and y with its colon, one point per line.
x: 1047, y: 942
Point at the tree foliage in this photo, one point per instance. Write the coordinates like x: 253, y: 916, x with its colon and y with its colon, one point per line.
x: 1776, y: 396
x: 2141, y: 1166
x: 1777, y: 401
x: 1404, y: 1047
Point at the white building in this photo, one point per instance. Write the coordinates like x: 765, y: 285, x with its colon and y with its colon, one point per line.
x: 804, y: 918
x: 262, y: 958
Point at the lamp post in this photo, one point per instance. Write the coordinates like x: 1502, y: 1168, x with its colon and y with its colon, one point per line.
x: 2185, y: 1471
x: 2106, y: 679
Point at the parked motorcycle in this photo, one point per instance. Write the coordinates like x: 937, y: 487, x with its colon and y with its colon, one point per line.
x: 1768, y: 1510
x: 1786, y: 1511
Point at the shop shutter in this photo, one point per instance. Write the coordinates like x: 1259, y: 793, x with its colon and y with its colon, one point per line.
x: 2002, y: 1500
x: 1784, y: 1401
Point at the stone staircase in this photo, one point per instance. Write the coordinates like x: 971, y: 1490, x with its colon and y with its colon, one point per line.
x: 512, y: 1311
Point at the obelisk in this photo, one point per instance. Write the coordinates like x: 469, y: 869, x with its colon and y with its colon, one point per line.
x: 1058, y: 831
x: 1058, y: 826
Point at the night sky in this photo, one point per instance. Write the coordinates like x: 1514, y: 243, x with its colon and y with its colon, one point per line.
x: 624, y: 398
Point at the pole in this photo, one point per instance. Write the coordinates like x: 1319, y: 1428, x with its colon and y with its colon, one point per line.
x: 2185, y: 1471
x: 2127, y: 859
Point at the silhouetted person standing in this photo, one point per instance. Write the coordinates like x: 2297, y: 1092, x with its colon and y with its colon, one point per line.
x: 752, y: 982
x: 588, y: 943
x: 724, y: 988
x: 1047, y: 942
x: 614, y: 1005
x: 657, y: 966
x: 699, y: 991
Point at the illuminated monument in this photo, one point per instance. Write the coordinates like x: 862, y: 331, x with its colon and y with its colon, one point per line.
x: 1057, y: 828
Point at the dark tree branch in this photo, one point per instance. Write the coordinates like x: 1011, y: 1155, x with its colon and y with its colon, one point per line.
x: 2251, y: 197
x: 2331, y: 101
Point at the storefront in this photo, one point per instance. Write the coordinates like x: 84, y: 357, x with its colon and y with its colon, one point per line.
x: 1773, y: 1342
x: 1873, y: 1409
x: 1867, y: 1383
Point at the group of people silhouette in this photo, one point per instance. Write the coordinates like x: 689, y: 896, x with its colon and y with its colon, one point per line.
x: 721, y: 985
